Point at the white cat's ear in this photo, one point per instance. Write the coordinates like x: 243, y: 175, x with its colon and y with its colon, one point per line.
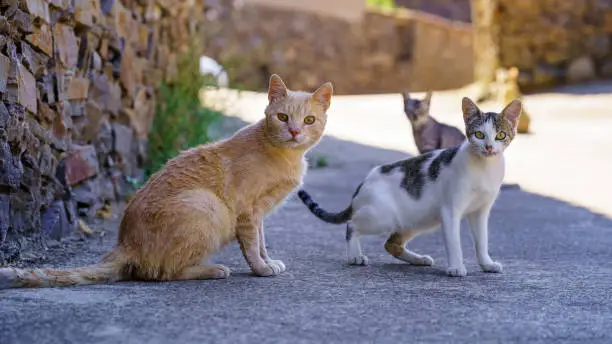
x: 323, y: 95
x: 469, y: 108
x: 405, y: 95
x: 277, y: 89
x: 512, y: 111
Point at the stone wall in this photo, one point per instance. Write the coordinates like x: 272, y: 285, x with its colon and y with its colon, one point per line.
x: 458, y: 10
x: 551, y: 41
x: 77, y: 85
x: 385, y: 51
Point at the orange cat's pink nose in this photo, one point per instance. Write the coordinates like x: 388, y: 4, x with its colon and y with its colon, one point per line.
x: 294, y: 132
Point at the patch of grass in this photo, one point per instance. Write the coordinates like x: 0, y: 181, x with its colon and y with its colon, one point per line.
x: 181, y: 121
x: 321, y: 162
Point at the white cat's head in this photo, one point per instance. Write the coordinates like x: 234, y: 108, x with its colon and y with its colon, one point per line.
x: 490, y: 133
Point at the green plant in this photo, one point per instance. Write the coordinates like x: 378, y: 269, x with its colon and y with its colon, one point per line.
x: 321, y: 162
x: 381, y: 3
x: 181, y: 121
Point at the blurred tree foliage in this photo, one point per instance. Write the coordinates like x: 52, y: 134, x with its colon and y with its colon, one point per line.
x: 381, y: 3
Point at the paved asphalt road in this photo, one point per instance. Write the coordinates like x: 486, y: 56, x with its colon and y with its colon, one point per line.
x: 556, y: 286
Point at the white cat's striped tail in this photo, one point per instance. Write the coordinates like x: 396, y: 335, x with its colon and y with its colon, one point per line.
x: 335, y: 218
x: 105, y: 272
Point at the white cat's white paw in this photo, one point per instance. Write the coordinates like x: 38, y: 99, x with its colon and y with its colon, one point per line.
x: 423, y: 261
x: 494, y: 267
x: 359, y: 260
x: 456, y: 271
x: 277, y: 265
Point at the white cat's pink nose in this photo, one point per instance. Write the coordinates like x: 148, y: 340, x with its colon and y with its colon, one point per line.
x: 488, y: 148
x: 294, y: 132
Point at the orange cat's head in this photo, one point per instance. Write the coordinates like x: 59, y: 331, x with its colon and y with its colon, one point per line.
x: 296, y: 119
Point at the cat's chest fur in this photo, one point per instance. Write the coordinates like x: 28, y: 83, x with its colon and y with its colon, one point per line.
x: 482, y: 182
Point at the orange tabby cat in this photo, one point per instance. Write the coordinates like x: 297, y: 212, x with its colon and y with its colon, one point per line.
x: 205, y: 198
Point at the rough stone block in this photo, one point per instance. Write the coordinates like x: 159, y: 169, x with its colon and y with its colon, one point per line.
x: 45, y: 114
x: 123, y: 141
x: 11, y: 168
x: 105, y: 93
x: 20, y: 20
x: 87, y: 197
x: 123, y: 23
x: 81, y: 164
x: 128, y: 74
x: 62, y: 124
x: 77, y: 89
x: 27, y: 88
x: 39, y: 9
x: 25, y: 212
x: 4, y: 117
x: 31, y: 179
x: 5, y: 66
x: 55, y: 221
x: 47, y: 162
x: 5, y: 212
x: 66, y: 45
x: 87, y: 12
x: 94, y: 118
x: 41, y: 38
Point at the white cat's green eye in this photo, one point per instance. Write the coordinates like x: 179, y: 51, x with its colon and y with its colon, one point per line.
x: 309, y: 119
x: 479, y: 135
x: 282, y: 117
x: 500, y: 136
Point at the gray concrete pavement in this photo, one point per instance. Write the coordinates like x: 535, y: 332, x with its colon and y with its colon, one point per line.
x: 555, y: 287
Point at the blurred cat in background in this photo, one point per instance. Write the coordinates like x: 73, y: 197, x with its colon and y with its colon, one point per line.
x: 428, y: 133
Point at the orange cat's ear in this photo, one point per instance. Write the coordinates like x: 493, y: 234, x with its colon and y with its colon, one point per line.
x: 469, y: 108
x: 323, y: 94
x: 277, y: 89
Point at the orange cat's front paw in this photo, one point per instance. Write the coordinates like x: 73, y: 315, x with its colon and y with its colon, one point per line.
x: 271, y: 268
x: 222, y: 271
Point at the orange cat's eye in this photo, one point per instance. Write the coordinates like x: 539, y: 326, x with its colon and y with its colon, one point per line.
x: 282, y: 117
x: 309, y: 119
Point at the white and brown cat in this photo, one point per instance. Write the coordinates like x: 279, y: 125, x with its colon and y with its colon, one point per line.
x: 417, y: 195
x: 205, y: 198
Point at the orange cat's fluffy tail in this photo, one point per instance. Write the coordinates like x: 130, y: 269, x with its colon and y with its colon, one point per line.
x: 107, y: 271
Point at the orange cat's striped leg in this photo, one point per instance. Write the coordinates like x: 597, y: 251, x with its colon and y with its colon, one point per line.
x: 263, y: 252
x: 247, y: 233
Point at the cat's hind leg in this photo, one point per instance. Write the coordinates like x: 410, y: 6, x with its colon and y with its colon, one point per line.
x: 396, y: 246
x: 204, y: 271
x: 353, y: 246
